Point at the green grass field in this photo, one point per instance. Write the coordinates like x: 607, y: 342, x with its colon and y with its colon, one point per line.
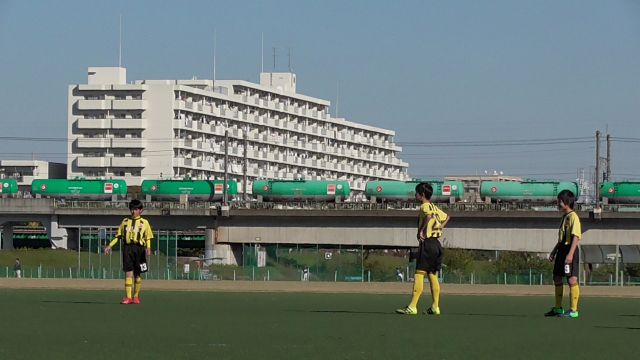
x: 64, y: 324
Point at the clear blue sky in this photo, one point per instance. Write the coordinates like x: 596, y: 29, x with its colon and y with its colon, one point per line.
x: 433, y: 71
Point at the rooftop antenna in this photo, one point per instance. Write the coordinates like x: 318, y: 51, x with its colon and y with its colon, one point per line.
x: 274, y: 59
x: 120, y: 43
x: 289, y: 59
x: 262, y: 53
x: 215, y: 36
x: 337, y: 96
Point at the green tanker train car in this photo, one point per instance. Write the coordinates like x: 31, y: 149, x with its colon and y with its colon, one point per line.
x: 536, y: 191
x: 195, y: 190
x: 80, y: 189
x: 625, y: 192
x: 301, y: 190
x: 389, y: 190
x: 8, y: 187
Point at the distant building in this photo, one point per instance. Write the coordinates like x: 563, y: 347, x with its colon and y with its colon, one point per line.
x: 153, y: 129
x: 25, y: 171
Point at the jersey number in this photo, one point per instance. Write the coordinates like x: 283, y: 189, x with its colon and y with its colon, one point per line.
x: 143, y: 267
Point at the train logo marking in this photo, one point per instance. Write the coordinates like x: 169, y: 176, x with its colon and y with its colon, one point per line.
x: 331, y: 189
x: 218, y: 188
x: 108, y: 188
x: 265, y: 188
x: 43, y: 187
x: 611, y: 190
x: 379, y: 188
x: 154, y: 187
x: 446, y: 189
x: 494, y: 189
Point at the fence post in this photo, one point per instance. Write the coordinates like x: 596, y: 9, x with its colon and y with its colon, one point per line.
x: 234, y: 275
x: 7, y: 272
x: 335, y: 276
x: 253, y: 273
x: 505, y: 278
x: 267, y: 274
x: 530, y: 279
x: 540, y: 278
x: 369, y: 276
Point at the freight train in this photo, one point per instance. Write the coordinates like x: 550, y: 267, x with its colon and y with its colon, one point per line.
x: 627, y: 192
x: 405, y: 191
x: 8, y: 186
x: 301, y: 190
x: 525, y: 191
x: 531, y: 191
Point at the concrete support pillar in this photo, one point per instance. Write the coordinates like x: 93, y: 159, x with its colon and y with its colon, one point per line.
x: 57, y: 236
x: 227, y: 254
x: 209, y: 244
x: 7, y: 236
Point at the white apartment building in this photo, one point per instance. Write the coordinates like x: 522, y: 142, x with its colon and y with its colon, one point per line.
x: 152, y: 129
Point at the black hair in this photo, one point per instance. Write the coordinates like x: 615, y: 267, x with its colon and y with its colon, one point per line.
x: 135, y: 204
x: 425, y: 190
x: 567, y: 198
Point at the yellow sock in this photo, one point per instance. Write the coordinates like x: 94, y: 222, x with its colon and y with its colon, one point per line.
x: 137, y: 286
x: 418, y: 286
x: 435, y: 290
x: 559, y: 293
x: 128, y: 283
x: 574, y: 292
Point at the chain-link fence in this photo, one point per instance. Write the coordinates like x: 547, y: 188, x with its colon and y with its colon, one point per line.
x: 272, y: 262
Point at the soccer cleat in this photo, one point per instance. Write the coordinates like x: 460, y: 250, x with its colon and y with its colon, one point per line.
x: 136, y: 300
x: 571, y: 314
x: 432, y: 311
x: 127, y: 301
x: 555, y: 312
x: 407, y: 311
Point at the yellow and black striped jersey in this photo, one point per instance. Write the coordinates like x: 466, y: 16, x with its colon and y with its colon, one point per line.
x: 569, y: 227
x: 134, y: 231
x: 438, y: 217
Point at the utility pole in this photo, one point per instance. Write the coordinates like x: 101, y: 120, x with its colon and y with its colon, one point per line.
x: 608, y: 157
x: 226, y: 164
x: 597, y: 182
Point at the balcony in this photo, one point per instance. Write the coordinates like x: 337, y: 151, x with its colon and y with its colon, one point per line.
x: 92, y: 143
x: 135, y: 162
x: 129, y: 124
x: 136, y: 143
x: 93, y: 123
x: 93, y: 104
x: 129, y: 105
x: 93, y: 162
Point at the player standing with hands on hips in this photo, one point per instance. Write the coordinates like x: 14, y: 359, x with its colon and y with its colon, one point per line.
x: 566, y: 256
x: 431, y: 221
x: 136, y: 234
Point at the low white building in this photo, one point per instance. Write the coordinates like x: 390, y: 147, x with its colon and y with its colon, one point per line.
x: 25, y: 171
x: 153, y: 129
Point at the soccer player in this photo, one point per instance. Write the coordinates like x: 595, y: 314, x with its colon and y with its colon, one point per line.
x: 566, y: 255
x: 431, y: 222
x: 136, y: 234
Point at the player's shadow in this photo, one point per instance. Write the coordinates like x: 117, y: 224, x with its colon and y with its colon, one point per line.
x: 76, y: 302
x: 345, y: 312
x: 631, y: 315
x: 490, y: 315
x: 617, y: 327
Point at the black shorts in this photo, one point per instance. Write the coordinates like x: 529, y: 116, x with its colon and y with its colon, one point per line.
x: 132, y: 257
x: 558, y: 266
x: 429, y: 255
